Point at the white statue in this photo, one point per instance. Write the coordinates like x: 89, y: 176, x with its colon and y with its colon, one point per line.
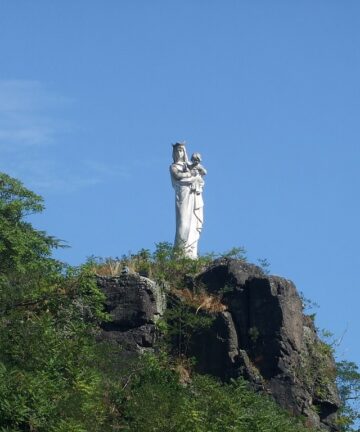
x: 187, y: 180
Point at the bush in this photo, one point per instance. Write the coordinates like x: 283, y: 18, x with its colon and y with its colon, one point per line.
x: 156, y: 401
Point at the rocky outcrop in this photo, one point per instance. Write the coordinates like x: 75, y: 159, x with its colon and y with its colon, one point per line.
x: 265, y: 337
x: 134, y: 303
x: 260, y: 334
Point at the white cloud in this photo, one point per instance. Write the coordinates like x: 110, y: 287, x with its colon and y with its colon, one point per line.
x: 24, y: 114
x: 25, y: 136
x: 30, y: 127
x: 89, y: 173
x: 27, y: 96
x: 64, y: 185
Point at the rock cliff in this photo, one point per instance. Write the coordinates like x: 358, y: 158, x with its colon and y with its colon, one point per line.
x: 135, y: 303
x: 260, y: 334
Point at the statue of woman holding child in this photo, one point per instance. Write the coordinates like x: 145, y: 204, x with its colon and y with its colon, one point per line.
x: 187, y: 180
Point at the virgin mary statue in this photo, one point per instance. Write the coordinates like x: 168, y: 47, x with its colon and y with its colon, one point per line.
x: 189, y: 203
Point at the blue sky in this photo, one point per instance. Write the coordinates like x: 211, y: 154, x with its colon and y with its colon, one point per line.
x: 92, y: 94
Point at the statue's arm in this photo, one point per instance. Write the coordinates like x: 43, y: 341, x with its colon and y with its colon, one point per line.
x: 179, y: 175
x: 202, y: 170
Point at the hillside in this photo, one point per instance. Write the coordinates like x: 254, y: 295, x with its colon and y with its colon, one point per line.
x: 154, y: 342
x: 236, y: 322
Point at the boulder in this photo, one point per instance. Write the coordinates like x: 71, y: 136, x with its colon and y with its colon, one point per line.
x: 134, y: 303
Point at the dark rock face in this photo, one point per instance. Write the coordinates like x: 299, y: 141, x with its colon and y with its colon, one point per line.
x: 264, y: 337
x: 134, y: 303
x: 216, y: 348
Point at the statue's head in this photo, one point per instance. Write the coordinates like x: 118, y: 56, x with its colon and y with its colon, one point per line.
x: 179, y: 152
x: 196, y: 158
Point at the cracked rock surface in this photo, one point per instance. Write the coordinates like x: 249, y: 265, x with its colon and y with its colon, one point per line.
x: 134, y: 303
x: 277, y: 351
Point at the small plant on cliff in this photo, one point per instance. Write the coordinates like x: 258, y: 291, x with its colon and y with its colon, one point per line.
x: 254, y: 334
x: 317, y: 369
x: 265, y: 265
x: 183, y: 324
x: 235, y: 253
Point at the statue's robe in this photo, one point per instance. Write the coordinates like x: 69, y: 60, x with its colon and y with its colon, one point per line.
x: 189, y: 210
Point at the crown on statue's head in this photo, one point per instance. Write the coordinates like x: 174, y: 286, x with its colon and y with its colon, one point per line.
x: 179, y: 144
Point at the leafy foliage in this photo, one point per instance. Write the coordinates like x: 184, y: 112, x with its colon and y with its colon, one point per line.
x: 48, y: 317
x: 182, y: 324
x: 265, y: 265
x: 22, y: 248
x: 348, y: 380
x: 156, y: 401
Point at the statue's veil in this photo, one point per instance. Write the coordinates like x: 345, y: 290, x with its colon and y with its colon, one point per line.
x: 175, y: 146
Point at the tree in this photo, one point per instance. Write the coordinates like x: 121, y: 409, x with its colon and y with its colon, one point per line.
x: 22, y: 248
x: 348, y: 382
x: 49, y: 313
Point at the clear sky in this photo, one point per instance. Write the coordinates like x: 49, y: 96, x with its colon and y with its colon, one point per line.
x: 93, y: 93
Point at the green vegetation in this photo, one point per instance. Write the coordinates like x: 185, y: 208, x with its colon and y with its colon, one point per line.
x: 49, y: 314
x: 182, y: 324
x: 156, y: 401
x: 55, y: 377
x: 317, y: 370
x: 348, y: 381
x: 165, y: 265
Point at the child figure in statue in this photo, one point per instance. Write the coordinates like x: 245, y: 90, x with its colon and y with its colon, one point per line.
x: 199, y: 171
